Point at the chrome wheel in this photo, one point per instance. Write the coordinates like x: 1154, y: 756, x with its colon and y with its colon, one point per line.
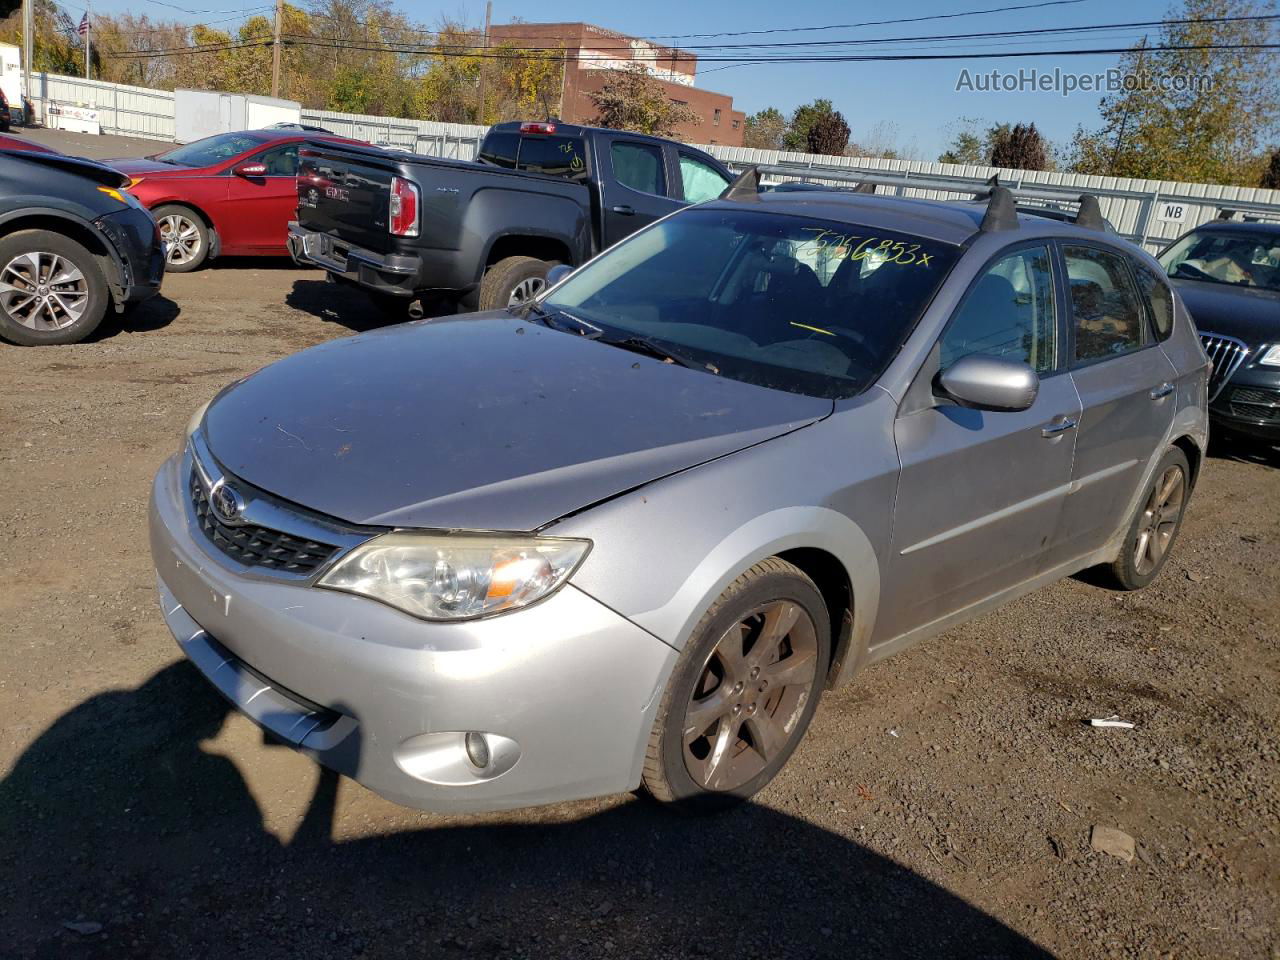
x: 43, y: 291
x: 750, y: 697
x: 1159, y: 520
x: 526, y: 290
x: 180, y: 238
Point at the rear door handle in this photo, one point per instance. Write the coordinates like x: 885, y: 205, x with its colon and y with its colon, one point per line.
x: 623, y: 210
x: 1163, y: 390
x: 1060, y: 425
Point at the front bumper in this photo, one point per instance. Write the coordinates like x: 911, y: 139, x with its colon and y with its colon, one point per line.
x: 385, y: 699
x: 395, y: 274
x: 133, y: 235
x: 1249, y: 403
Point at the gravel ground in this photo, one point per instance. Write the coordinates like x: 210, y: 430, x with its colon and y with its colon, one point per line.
x: 941, y: 805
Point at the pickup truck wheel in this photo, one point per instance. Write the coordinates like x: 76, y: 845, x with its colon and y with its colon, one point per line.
x: 184, y: 236
x: 512, y: 281
x: 51, y: 289
x: 743, y: 691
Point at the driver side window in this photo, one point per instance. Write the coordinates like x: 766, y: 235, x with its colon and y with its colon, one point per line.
x: 1008, y: 312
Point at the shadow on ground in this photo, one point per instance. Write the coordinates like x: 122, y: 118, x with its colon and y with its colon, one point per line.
x: 339, y: 303
x: 1227, y: 446
x: 146, y: 317
x: 116, y: 816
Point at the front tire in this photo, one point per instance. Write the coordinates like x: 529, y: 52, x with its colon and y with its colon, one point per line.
x: 52, y: 290
x: 185, y: 237
x: 512, y: 281
x: 743, y: 691
x: 1154, y: 529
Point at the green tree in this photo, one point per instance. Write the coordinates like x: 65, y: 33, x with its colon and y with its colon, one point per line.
x: 765, y: 129
x: 828, y: 134
x: 797, y: 134
x: 1207, y: 130
x: 967, y: 148
x: 633, y: 99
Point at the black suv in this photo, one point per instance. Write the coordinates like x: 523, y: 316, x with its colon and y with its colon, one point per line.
x: 1228, y: 274
x: 73, y: 243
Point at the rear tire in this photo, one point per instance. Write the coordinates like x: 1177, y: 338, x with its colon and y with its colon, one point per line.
x: 185, y: 236
x: 68, y: 293
x: 1155, y: 526
x: 512, y: 281
x: 743, y: 691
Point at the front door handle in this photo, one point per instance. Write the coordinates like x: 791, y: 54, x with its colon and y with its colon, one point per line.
x: 623, y: 210
x: 1163, y: 390
x: 1059, y: 426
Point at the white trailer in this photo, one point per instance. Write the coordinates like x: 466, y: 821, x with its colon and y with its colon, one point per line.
x: 202, y: 113
x: 11, y: 74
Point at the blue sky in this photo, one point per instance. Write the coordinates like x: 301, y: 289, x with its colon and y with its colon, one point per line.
x: 918, y: 99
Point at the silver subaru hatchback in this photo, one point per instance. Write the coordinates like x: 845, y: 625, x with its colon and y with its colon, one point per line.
x: 627, y: 534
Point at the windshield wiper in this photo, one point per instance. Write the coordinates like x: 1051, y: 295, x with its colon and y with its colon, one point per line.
x: 651, y: 348
x: 554, y: 319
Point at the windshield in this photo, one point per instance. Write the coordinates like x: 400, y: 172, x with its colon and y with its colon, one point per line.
x: 808, y: 306
x: 212, y: 150
x: 1243, y: 259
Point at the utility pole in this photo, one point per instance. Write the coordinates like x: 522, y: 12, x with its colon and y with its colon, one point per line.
x: 1124, y: 118
x: 88, y: 33
x: 28, y: 55
x: 484, y: 63
x: 275, y: 51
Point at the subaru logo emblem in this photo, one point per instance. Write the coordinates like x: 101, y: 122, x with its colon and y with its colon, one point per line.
x: 227, y: 503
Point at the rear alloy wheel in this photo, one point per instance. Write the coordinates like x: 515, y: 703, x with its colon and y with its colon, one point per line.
x: 184, y: 237
x: 743, y: 692
x: 1155, y: 528
x: 51, y: 289
x: 512, y: 282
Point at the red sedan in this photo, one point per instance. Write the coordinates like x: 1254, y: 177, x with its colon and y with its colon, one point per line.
x: 13, y: 143
x: 232, y: 194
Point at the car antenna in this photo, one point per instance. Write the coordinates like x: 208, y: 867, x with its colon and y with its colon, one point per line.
x: 1089, y: 215
x: 746, y: 186
x: 1002, y: 213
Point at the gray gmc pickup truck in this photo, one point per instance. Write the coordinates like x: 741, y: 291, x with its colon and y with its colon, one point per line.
x: 483, y: 234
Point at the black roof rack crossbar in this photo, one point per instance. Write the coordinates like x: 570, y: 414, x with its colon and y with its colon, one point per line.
x: 746, y: 186
x: 1089, y: 215
x: 1002, y: 212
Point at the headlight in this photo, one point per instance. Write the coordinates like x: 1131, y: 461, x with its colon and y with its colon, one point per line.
x: 1272, y: 357
x: 456, y: 577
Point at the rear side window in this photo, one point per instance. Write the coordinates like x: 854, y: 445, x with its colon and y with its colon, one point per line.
x: 554, y: 156
x: 1157, y: 293
x: 639, y: 166
x: 500, y: 149
x: 1105, y: 308
x: 701, y: 180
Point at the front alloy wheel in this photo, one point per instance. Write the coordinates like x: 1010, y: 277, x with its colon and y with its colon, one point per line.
x: 42, y: 291
x: 743, y: 690
x: 184, y: 238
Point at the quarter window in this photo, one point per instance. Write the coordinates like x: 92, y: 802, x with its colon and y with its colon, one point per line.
x: 1008, y: 313
x: 701, y: 181
x: 1105, y: 308
x: 1157, y: 293
x: 639, y: 166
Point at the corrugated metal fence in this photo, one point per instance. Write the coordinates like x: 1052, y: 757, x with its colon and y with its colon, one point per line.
x: 1151, y: 212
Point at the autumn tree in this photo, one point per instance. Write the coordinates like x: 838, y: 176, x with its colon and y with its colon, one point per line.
x: 1270, y: 179
x: 56, y: 50
x: 765, y: 129
x: 633, y: 99
x: 828, y: 134
x: 1019, y: 147
x: 1208, y: 111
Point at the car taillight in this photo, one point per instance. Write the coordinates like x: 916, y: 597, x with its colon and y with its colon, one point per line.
x: 537, y: 128
x: 403, y: 221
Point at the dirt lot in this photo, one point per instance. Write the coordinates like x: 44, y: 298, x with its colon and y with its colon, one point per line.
x: 941, y: 805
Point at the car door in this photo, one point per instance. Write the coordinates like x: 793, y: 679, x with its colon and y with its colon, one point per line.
x: 636, y: 191
x: 1126, y: 387
x: 981, y: 492
x: 258, y: 209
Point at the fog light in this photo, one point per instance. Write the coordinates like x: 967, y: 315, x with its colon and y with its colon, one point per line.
x: 477, y: 749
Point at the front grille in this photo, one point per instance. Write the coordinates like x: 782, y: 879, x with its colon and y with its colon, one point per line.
x: 256, y: 546
x: 1251, y: 404
x: 1226, y: 353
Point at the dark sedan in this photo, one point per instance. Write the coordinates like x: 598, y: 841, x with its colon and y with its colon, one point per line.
x: 1228, y: 273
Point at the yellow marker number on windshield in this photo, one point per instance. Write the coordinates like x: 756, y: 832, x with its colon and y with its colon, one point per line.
x: 840, y: 246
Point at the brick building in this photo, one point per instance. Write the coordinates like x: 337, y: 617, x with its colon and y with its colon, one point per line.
x: 592, y: 51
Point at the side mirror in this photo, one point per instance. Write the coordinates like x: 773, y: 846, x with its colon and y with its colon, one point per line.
x: 558, y: 273
x: 990, y: 383
x: 250, y: 170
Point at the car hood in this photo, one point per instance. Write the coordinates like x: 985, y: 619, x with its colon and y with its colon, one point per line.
x: 485, y: 422
x: 135, y: 166
x: 1246, y: 313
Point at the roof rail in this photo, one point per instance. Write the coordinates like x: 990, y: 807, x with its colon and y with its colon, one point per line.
x: 746, y: 186
x: 1002, y: 212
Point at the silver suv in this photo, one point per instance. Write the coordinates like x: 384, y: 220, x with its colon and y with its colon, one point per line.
x: 628, y: 533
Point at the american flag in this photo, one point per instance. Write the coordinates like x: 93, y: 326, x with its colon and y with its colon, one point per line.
x: 84, y: 25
